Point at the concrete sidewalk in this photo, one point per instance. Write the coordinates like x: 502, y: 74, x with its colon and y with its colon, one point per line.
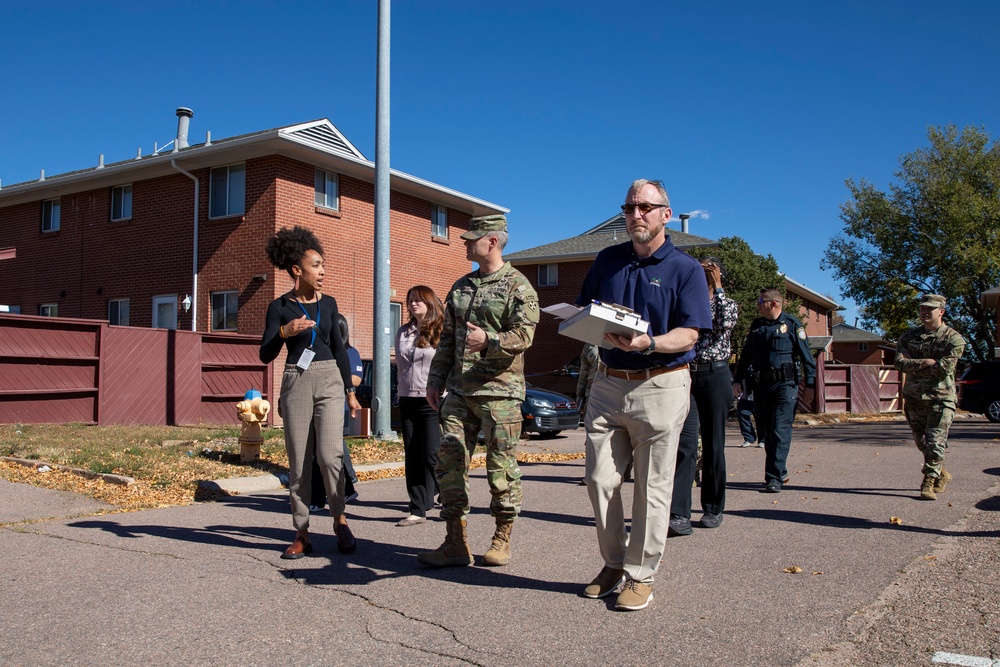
x: 204, y: 584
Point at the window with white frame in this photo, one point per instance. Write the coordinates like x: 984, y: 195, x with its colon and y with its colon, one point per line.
x: 121, y: 202
x: 327, y: 190
x: 228, y: 191
x: 862, y: 347
x: 224, y: 307
x: 118, y: 312
x: 50, y: 215
x: 49, y: 310
x: 439, y: 221
x: 548, y: 275
x: 165, y: 311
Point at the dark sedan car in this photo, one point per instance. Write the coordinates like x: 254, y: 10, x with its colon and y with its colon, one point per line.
x: 364, y: 392
x: 548, y: 413
x: 561, y: 380
x: 979, y: 390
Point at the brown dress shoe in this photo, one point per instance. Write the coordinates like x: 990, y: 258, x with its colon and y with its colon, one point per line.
x: 346, y: 544
x: 299, y: 547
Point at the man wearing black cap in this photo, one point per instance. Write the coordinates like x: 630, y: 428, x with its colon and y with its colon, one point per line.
x: 928, y: 355
x: 489, y: 321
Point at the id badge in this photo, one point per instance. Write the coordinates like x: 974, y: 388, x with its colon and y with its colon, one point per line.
x: 305, y: 359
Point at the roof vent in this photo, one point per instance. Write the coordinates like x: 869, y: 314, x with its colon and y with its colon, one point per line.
x: 184, y: 116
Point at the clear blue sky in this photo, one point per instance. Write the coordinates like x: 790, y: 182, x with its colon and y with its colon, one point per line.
x: 753, y: 113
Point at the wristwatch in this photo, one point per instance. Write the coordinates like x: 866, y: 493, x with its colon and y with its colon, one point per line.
x: 351, y: 390
x: 719, y: 290
x: 652, y: 346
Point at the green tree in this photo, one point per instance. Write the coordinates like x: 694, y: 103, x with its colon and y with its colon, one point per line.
x: 935, y: 231
x: 747, y: 273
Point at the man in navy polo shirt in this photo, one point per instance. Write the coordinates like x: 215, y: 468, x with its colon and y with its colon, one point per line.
x: 641, y: 394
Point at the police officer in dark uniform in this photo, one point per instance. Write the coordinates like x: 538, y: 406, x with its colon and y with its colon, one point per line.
x: 775, y: 340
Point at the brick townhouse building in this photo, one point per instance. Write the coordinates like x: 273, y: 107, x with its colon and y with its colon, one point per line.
x: 852, y: 345
x: 557, y: 271
x: 176, y: 239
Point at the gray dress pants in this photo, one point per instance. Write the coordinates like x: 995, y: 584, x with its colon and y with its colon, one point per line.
x: 312, y: 407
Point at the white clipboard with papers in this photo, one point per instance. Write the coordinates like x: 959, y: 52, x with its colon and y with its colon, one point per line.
x: 590, y: 323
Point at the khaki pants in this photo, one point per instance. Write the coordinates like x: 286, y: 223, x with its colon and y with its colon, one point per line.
x: 636, y: 422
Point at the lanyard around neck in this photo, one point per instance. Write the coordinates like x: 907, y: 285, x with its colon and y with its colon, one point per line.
x: 319, y: 312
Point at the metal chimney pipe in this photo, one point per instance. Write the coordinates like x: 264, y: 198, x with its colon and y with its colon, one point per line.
x: 184, y: 116
x: 684, y: 221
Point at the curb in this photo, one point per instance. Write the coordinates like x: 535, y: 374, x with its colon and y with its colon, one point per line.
x: 236, y: 486
x: 121, y: 480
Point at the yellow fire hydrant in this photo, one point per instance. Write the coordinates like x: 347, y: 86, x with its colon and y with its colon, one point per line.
x: 252, y: 412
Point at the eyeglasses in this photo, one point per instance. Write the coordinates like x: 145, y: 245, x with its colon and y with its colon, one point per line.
x: 644, y: 208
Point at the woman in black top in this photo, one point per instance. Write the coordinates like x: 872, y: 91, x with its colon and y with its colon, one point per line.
x: 313, y: 384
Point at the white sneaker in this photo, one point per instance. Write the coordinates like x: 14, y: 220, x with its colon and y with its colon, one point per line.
x: 761, y: 445
x: 747, y: 444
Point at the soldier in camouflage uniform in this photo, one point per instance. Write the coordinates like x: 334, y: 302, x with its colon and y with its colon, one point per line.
x: 489, y: 321
x: 928, y: 354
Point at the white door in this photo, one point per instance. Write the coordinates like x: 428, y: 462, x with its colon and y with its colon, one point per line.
x: 165, y: 312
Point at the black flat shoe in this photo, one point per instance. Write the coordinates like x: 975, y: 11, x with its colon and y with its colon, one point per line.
x: 346, y: 544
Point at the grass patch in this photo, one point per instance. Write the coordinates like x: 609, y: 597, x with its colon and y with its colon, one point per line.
x: 167, y: 462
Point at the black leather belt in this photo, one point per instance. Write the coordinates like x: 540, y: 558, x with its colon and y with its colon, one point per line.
x: 709, y: 366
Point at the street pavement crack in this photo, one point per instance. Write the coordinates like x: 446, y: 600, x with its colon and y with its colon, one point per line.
x: 292, y: 575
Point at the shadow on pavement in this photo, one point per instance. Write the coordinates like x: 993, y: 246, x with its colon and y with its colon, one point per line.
x: 989, y: 504
x: 225, y: 536
x: 796, y: 488
x: 852, y: 522
x: 374, y: 562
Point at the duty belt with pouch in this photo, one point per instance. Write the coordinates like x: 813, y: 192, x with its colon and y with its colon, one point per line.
x: 775, y: 375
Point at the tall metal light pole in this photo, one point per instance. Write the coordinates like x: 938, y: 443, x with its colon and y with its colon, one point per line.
x: 382, y: 336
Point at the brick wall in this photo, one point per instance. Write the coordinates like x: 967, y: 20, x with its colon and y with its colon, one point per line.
x: 348, y: 239
x: 92, y: 260
x: 814, y: 317
x: 848, y: 353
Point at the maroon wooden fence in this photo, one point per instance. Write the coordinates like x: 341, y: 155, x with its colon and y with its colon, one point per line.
x: 861, y: 389
x: 58, y: 370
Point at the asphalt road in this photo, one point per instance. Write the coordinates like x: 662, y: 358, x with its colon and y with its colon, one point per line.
x: 203, y: 584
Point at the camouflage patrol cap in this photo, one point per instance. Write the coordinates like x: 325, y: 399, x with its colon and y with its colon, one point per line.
x: 483, y: 225
x: 932, y: 301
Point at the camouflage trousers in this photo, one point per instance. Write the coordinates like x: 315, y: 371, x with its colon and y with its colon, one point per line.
x: 462, y: 418
x: 929, y: 421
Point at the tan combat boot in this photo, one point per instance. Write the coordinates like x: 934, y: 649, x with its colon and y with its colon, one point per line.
x: 499, y: 553
x: 453, y: 551
x: 942, y: 482
x: 927, y: 488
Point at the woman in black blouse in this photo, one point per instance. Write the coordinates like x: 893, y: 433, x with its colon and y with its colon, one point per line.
x: 313, y: 384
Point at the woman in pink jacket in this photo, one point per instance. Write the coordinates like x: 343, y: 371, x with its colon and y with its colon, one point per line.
x: 416, y: 343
